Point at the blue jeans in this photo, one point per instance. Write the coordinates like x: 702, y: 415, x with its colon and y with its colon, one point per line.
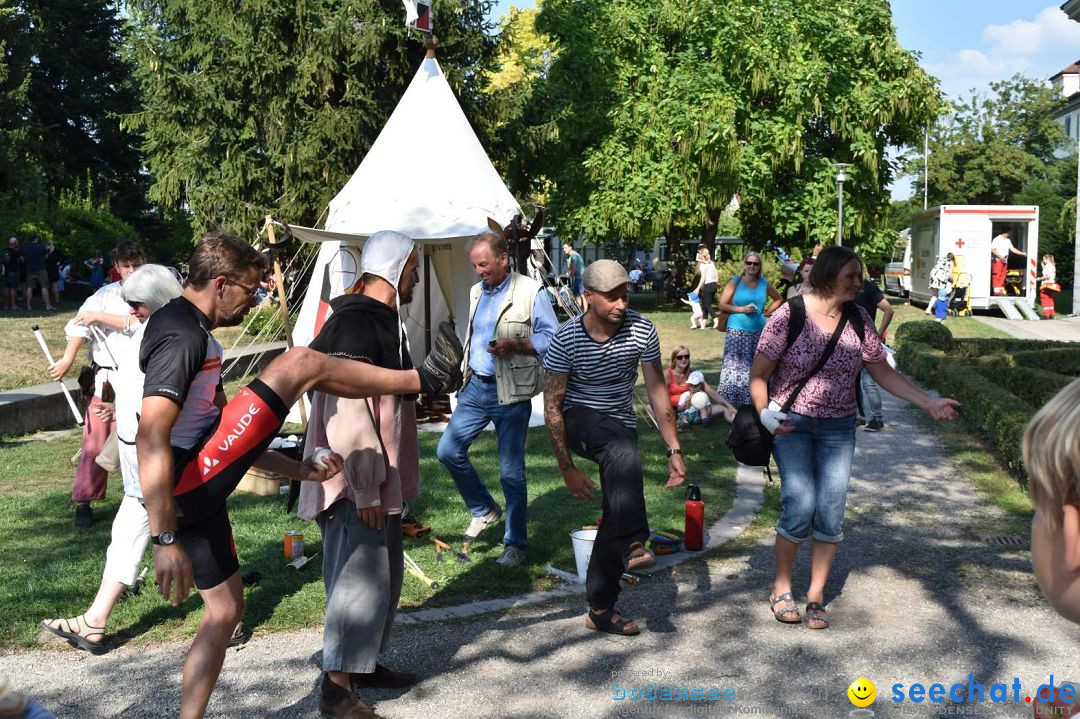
x: 815, y: 464
x: 871, y: 396
x: 478, y: 404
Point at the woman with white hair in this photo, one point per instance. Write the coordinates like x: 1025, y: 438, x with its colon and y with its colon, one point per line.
x: 147, y: 290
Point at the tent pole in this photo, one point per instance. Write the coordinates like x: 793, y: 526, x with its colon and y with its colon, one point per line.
x: 428, y: 400
x: 283, y: 308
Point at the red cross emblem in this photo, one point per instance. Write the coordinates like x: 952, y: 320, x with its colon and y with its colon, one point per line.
x: 960, y: 243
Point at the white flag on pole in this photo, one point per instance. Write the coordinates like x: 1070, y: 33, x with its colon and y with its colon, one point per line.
x: 418, y: 14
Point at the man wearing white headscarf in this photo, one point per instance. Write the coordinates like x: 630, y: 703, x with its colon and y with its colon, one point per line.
x: 359, y: 510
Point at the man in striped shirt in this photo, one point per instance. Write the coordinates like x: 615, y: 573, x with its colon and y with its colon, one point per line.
x: 590, y: 373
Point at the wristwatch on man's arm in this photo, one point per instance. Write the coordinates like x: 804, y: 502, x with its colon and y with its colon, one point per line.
x: 164, y: 539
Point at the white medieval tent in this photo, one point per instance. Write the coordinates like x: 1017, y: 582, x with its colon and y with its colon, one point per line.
x: 427, y: 176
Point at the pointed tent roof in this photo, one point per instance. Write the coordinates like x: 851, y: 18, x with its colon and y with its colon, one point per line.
x: 426, y: 174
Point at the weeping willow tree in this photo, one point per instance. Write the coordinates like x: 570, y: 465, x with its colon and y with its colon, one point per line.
x: 667, y: 109
x: 263, y: 106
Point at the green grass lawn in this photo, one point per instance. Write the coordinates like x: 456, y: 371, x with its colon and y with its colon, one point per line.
x: 50, y: 569
x: 961, y: 327
x: 22, y: 363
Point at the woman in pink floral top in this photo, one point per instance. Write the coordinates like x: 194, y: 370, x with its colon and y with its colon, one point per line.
x: 815, y: 440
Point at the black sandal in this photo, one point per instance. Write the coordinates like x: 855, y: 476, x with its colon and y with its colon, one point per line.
x: 604, y: 623
x: 816, y: 613
x: 77, y: 632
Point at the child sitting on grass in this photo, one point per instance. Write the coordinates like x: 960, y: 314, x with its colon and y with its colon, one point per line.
x: 707, y: 407
x: 1052, y: 458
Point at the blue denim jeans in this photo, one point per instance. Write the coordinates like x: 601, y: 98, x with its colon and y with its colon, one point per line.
x: 478, y: 404
x: 871, y: 396
x: 815, y: 464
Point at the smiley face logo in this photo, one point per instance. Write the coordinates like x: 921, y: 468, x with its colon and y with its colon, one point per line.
x: 862, y: 692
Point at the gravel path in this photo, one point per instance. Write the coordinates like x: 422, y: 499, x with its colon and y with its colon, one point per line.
x: 917, y: 595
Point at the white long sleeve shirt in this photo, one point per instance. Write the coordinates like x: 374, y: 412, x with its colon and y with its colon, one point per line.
x: 109, y: 300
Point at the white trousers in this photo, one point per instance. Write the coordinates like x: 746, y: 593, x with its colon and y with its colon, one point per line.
x: 130, y: 535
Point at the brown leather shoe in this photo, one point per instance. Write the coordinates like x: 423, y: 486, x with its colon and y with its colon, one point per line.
x: 384, y: 678
x: 338, y: 703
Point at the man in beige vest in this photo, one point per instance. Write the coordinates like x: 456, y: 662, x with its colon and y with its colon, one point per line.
x: 511, y: 323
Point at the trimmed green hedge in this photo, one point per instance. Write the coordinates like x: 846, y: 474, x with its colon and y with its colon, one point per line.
x: 1064, y: 360
x: 979, y: 347
x: 1000, y: 415
x: 929, y: 332
x: 920, y: 360
x: 1000, y: 383
x: 986, y: 405
x: 1034, y: 386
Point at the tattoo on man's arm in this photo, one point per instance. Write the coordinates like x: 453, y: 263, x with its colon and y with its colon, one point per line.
x: 554, y: 392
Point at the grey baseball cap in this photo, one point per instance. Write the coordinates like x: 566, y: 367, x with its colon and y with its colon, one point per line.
x: 605, y: 275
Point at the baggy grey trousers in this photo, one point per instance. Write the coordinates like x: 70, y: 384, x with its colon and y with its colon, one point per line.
x: 362, y: 572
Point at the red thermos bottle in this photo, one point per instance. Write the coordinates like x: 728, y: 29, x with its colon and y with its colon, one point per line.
x: 694, y: 537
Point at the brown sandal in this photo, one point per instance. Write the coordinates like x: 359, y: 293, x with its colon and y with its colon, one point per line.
x: 639, y: 557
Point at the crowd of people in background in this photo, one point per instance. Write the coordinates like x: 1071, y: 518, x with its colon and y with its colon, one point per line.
x: 32, y: 268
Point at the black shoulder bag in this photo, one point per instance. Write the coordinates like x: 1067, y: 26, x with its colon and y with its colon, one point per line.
x: 749, y: 441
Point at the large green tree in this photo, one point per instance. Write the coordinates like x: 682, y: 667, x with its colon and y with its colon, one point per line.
x: 666, y: 109
x: 263, y: 106
x: 63, y: 88
x: 514, y: 83
x: 986, y: 149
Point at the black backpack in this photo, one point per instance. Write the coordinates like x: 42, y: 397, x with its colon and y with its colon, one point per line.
x: 798, y: 319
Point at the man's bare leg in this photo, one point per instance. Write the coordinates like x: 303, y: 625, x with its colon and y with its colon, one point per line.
x: 108, y: 595
x: 224, y: 608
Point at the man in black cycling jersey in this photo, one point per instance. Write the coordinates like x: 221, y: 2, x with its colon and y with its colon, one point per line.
x: 194, y: 447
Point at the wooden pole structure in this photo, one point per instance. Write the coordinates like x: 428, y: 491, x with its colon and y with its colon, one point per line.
x: 283, y: 306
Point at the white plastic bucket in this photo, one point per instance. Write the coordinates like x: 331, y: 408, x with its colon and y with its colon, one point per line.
x: 582, y: 540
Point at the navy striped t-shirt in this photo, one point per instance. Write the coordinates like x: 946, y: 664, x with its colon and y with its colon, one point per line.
x: 602, y: 375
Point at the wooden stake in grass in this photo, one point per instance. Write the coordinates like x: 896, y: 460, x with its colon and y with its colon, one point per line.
x: 283, y: 304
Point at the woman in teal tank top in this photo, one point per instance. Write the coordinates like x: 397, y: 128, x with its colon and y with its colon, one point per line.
x: 744, y: 299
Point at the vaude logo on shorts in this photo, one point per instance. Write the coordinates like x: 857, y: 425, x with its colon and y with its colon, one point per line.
x: 238, y: 430
x: 209, y: 464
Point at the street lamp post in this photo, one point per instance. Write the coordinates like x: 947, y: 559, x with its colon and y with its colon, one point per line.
x: 1076, y: 241
x: 840, y: 177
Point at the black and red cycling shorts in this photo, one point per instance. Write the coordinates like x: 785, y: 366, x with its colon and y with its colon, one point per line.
x: 208, y: 473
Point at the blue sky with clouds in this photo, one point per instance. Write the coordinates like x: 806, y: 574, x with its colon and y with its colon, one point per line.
x: 967, y: 44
